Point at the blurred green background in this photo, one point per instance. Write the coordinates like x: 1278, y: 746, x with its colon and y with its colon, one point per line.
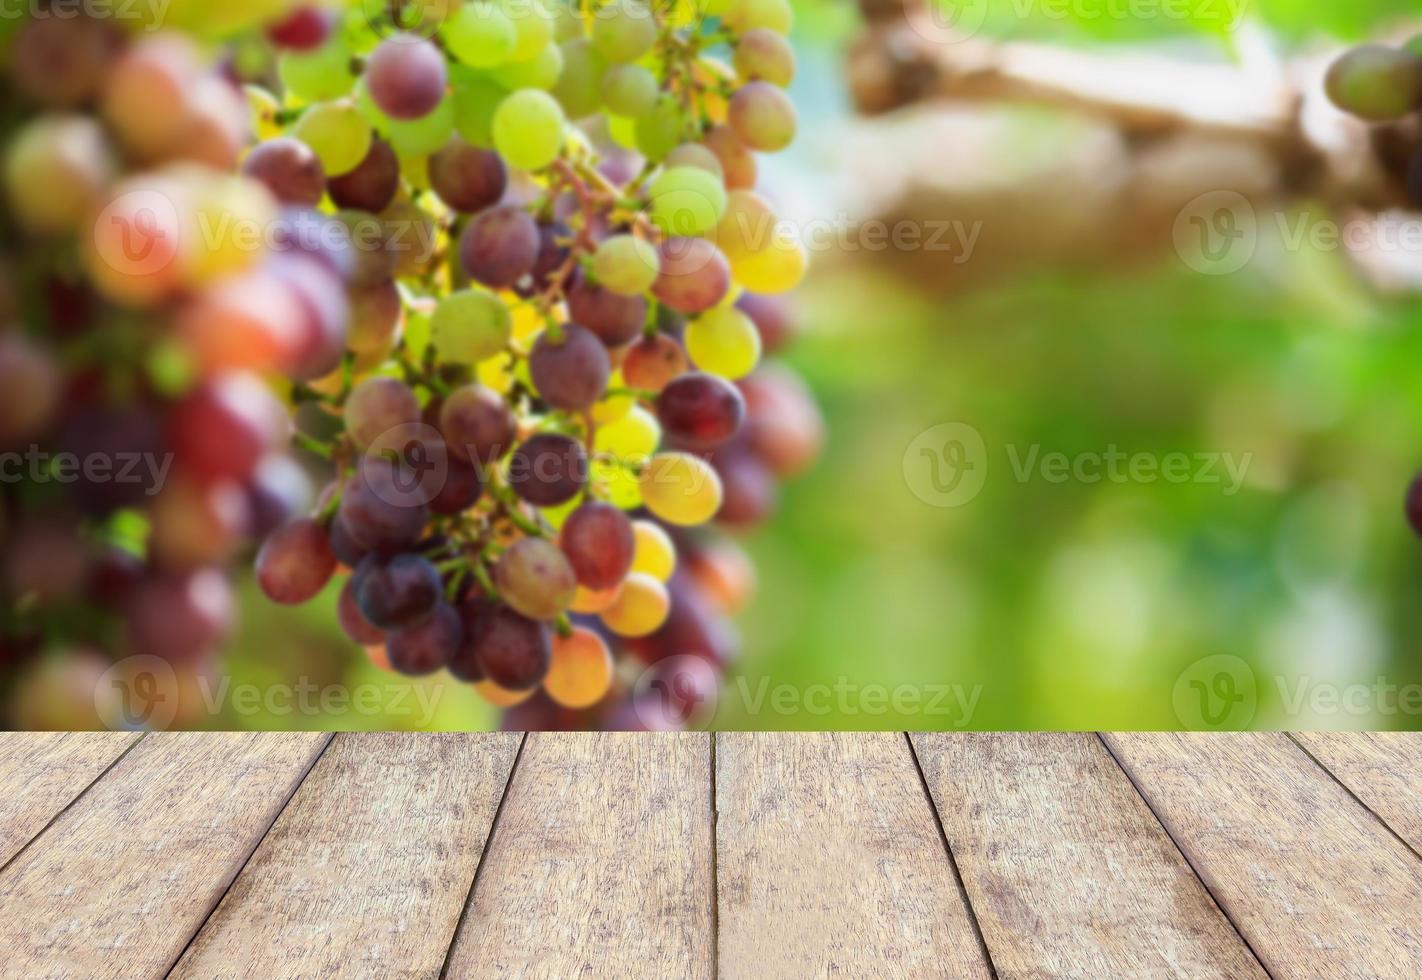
x: 1057, y: 605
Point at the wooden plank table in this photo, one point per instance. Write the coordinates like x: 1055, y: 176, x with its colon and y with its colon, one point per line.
x: 695, y: 855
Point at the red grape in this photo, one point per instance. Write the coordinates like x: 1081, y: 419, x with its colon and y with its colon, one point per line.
x: 406, y: 76
x: 290, y: 170
x: 700, y: 410
x: 468, y: 178
x: 599, y: 543
x: 548, y: 469
x: 570, y: 372
x: 396, y: 592
x: 426, y: 646
x: 296, y: 562
x: 499, y: 247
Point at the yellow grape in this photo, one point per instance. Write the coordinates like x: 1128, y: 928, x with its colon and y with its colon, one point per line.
x: 633, y: 437
x: 746, y: 15
x: 681, y: 489
x: 337, y: 133
x: 724, y: 342
x: 580, y: 673
x: 617, y: 484
x: 777, y: 268
x: 263, y: 107
x: 498, y: 696
x: 654, y: 553
x: 613, y: 408
x: 640, y: 608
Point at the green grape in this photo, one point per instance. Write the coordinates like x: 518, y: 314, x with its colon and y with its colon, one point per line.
x: 748, y: 15
x: 337, y: 134
x: 579, y: 85
x: 618, y: 484
x: 542, y: 71
x: 659, y: 131
x: 634, y: 437
x: 320, y: 75
x: 629, y: 90
x: 623, y: 31
x: 470, y: 326
x: 627, y: 265
x: 476, y: 99
x: 687, y: 201
x: 622, y: 130
x: 724, y: 342
x: 698, y: 156
x: 480, y: 35
x: 533, y: 27
x: 528, y: 129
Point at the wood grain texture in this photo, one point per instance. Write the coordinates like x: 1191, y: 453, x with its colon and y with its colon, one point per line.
x: 600, y: 864
x: 1314, y: 882
x: 1383, y: 769
x: 366, y: 871
x: 1067, y: 869
x: 42, y: 772
x: 123, y: 879
x: 829, y: 862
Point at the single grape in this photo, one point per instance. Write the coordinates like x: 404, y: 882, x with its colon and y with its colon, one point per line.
x: 723, y: 342
x: 511, y: 650
x: 654, y: 552
x: 686, y: 201
x: 763, y: 117
x: 527, y: 129
x: 616, y: 319
x: 462, y: 486
x: 500, y: 247
x: 700, y: 410
x: 634, y: 437
x: 626, y: 265
x: 580, y: 84
x: 535, y: 578
x: 659, y: 131
x: 571, y: 371
x: 542, y: 71
x: 477, y: 424
x: 548, y: 469
x: 376, y: 406
x: 623, y: 31
x: 406, y: 76
x: 763, y: 55
x: 337, y: 134
x: 629, y: 90
x: 303, y: 29
x: 295, y: 563
x: 598, y: 541
x: 371, y: 186
x: 289, y: 169
x: 467, y: 178
x: 745, y: 16
x: 680, y: 489
x: 396, y: 592
x: 1376, y: 82
x: 318, y: 75
x: 379, y: 507
x: 480, y: 35
x: 694, y: 275
x: 580, y: 670
x: 640, y: 608
x: 470, y: 325
x: 353, y: 621
x: 652, y: 362
x: 429, y: 645
x: 375, y: 317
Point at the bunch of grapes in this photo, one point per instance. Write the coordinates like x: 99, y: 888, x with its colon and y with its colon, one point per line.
x: 563, y: 289
x: 147, y: 293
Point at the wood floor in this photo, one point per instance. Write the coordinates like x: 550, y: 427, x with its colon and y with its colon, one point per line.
x: 687, y: 856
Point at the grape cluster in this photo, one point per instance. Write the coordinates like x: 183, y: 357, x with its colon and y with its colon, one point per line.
x: 140, y: 316
x: 562, y: 291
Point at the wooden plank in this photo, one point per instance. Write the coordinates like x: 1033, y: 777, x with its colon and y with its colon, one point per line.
x: 42, y: 772
x: 122, y: 880
x: 1314, y: 882
x: 600, y: 863
x: 1067, y: 869
x: 367, y: 870
x: 830, y: 862
x: 1383, y: 769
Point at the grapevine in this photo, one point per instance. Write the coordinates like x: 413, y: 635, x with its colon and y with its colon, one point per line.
x: 505, y: 265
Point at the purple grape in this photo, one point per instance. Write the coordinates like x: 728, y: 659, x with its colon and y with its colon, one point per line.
x: 468, y: 178
x: 371, y: 186
x: 353, y: 621
x: 499, y: 247
x: 295, y: 563
x: 180, y: 618
x: 290, y: 170
x: 477, y: 424
x: 548, y: 469
x: 461, y: 489
x: 429, y: 645
x: 599, y: 543
x: 700, y: 411
x: 379, y: 508
x: 396, y: 592
x: 511, y: 650
x: 406, y: 76
x: 616, y: 320
x: 344, y: 546
x: 571, y: 372
x: 553, y: 250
